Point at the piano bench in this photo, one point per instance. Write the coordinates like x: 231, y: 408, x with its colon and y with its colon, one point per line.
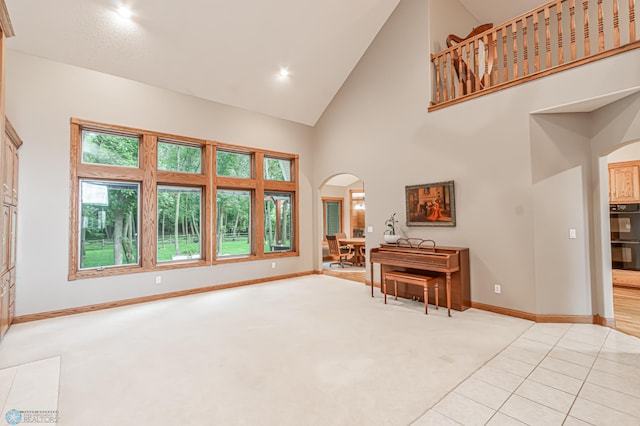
x: 406, y: 277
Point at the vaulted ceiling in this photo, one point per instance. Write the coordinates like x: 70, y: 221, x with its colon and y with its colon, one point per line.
x: 225, y: 51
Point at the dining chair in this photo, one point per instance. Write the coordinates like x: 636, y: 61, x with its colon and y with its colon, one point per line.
x: 342, y: 253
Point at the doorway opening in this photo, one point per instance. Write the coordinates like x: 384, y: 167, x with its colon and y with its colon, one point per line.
x: 344, y: 216
x: 624, y: 222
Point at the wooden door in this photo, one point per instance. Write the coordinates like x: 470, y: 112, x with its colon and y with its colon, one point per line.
x: 624, y: 182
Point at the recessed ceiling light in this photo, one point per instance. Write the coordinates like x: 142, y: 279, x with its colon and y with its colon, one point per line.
x: 284, y: 73
x: 125, y: 12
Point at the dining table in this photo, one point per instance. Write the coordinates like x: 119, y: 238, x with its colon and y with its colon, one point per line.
x: 358, y: 257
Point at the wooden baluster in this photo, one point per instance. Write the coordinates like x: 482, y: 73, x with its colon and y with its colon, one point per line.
x: 632, y: 21
x: 514, y: 36
x: 453, y: 74
x: 487, y: 60
x: 468, y: 68
x: 560, y: 47
x: 525, y: 61
x: 536, y: 44
x: 461, y: 82
x: 587, y: 41
x: 616, y: 25
x: 505, y: 67
x: 600, y: 27
x: 572, y: 13
x: 444, y: 77
x: 436, y: 61
x: 476, y: 65
x: 547, y: 15
x: 494, y: 44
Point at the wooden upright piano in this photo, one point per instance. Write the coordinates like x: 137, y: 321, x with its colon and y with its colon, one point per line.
x: 452, y: 263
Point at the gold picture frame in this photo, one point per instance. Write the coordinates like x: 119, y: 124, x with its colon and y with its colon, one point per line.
x: 431, y: 204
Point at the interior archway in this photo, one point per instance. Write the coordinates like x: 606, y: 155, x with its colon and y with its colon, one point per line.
x: 343, y: 213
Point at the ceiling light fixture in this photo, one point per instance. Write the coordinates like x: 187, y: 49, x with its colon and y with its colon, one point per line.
x: 284, y: 73
x: 125, y: 12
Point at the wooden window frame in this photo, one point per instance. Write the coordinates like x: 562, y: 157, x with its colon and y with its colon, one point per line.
x: 324, y: 215
x: 352, y: 210
x: 149, y: 177
x: 294, y: 219
x: 258, y: 185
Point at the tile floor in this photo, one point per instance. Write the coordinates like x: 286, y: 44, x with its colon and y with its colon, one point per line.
x: 34, y: 384
x: 553, y: 374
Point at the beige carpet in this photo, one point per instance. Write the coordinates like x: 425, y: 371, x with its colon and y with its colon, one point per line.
x: 314, y: 350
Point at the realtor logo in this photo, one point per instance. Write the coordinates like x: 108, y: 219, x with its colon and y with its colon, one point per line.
x: 13, y: 417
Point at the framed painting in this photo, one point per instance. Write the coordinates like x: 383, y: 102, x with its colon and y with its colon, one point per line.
x: 431, y: 204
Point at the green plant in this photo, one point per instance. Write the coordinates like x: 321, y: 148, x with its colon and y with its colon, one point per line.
x: 391, y: 225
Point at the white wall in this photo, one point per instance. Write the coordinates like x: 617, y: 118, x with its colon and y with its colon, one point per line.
x: 41, y: 97
x: 560, y: 159
x: 485, y: 146
x: 439, y: 29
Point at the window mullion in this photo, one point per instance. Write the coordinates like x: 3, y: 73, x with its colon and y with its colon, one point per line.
x: 149, y: 217
x: 258, y: 201
x: 109, y: 172
x: 74, y: 186
x: 209, y: 218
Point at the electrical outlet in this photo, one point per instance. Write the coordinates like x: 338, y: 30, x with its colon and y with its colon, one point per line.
x: 369, y: 229
x: 158, y: 279
x: 497, y: 288
x: 273, y: 265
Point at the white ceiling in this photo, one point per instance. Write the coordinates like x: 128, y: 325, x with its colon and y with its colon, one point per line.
x: 227, y: 51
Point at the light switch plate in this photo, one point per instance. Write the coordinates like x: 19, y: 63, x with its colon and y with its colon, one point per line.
x: 369, y: 229
x: 572, y: 233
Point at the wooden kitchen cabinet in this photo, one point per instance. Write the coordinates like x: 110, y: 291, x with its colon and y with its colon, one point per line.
x: 9, y: 195
x: 8, y: 227
x: 624, y: 182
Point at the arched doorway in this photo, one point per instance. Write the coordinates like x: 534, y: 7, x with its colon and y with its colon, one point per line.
x: 342, y: 198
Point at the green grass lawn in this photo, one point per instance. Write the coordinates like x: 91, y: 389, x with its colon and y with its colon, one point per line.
x: 96, y: 255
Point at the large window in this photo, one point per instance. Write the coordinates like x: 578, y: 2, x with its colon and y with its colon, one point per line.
x: 142, y: 201
x: 179, y: 157
x: 109, y: 224
x: 256, y: 213
x: 235, y: 164
x: 277, y: 222
x: 233, y: 229
x: 277, y: 169
x: 179, y: 218
x: 109, y: 149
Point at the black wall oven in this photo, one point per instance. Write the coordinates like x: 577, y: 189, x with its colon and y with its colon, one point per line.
x: 625, y: 236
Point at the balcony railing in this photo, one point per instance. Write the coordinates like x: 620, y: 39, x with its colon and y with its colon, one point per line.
x: 560, y: 35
